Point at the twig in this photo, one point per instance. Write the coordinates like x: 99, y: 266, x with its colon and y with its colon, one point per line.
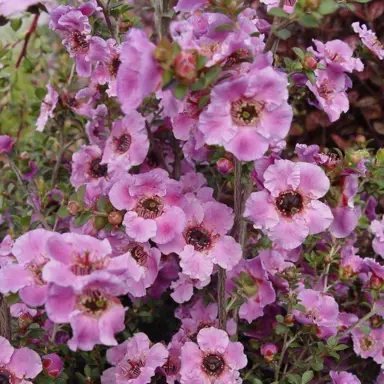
x: 162, y: 19
x: 59, y: 157
x: 25, y: 190
x: 31, y: 30
x: 177, y: 163
x: 283, y: 350
x: 107, y: 19
x: 221, y: 280
x: 155, y: 149
x: 276, y: 21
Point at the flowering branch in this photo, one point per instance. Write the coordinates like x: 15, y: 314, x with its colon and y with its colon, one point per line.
x: 107, y: 18
x: 276, y: 21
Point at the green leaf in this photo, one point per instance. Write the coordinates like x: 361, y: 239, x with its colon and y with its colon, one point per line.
x: 44, y: 380
x: 180, y: 91
x: 280, y: 318
x: 327, y: 7
x: 332, y: 341
x: 299, y: 53
x: 101, y: 203
x: 198, y: 85
x: 281, y: 329
x: 365, y: 329
x: 167, y: 77
x: 212, y: 74
x: 307, y: 377
x: 293, y: 378
x: 63, y: 211
x: 362, y: 1
x: 283, y: 34
x: 203, y: 101
x: 87, y: 371
x: 225, y: 27
x: 40, y: 92
x: 16, y: 24
x: 276, y: 11
x: 340, y: 347
x: 321, y: 66
x: 311, y: 76
x: 309, y: 21
x: 300, y: 308
x: 200, y: 62
x: 80, y: 194
x: 83, y: 218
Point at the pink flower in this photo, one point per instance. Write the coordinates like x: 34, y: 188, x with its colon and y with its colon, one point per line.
x: 142, y: 268
x: 47, y: 108
x: 203, y: 241
x: 16, y: 365
x: 369, y: 345
x: 247, y: 114
x: 350, y: 263
x: 289, y: 5
x: 25, y: 277
x: 224, y: 166
x: 6, y: 144
x: 288, y: 209
x: 139, y: 74
x: 320, y: 309
x: 87, y: 168
x: 343, y: 377
x: 369, y: 39
x: 345, y: 214
x: 259, y: 290
x: 330, y: 91
x: 5, y: 250
x: 337, y: 55
x: 128, y: 143
x: 377, y: 227
x: 190, y: 5
x: 97, y: 129
x: 94, y: 312
x: 134, y: 361
x: 53, y: 365
x: 152, y: 201
x: 75, y: 259
x: 73, y: 25
x: 106, y: 71
x: 183, y: 287
x: 214, y: 359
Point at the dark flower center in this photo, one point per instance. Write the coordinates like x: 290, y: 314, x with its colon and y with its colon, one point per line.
x: 122, y: 143
x: 131, y: 369
x: 152, y: 160
x: 139, y: 254
x: 114, y: 66
x: 200, y: 238
x: 246, y: 112
x: 367, y: 343
x: 172, y: 366
x: 150, y: 208
x: 79, y: 42
x: 241, y: 55
x: 325, y: 91
x: 94, y: 302
x: 213, y: 365
x: 5, y: 377
x: 289, y: 203
x: 85, y: 264
x: 97, y: 170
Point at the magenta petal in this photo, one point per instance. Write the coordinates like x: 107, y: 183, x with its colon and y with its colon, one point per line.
x: 59, y: 250
x: 34, y: 295
x: 25, y: 363
x: 111, y: 323
x: 345, y: 221
x: 14, y: 277
x: 6, y: 351
x: 227, y: 252
x: 313, y: 181
x: 60, y: 303
x: 86, y: 332
x: 138, y: 228
x: 318, y: 217
x: 212, y: 339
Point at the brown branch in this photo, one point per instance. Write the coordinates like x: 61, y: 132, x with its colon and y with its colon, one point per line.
x: 276, y: 21
x: 162, y: 20
x: 221, y: 300
x: 5, y: 319
x: 107, y: 19
x: 30, y: 32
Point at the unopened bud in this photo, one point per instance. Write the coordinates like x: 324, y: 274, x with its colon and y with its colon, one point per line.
x: 289, y: 319
x: 327, y: 259
x: 375, y: 320
x: 25, y: 320
x: 115, y: 218
x: 376, y: 282
x: 360, y: 139
x: 310, y: 62
x: 73, y: 207
x: 224, y: 166
x: 185, y: 66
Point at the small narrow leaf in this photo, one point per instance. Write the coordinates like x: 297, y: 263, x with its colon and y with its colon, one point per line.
x: 307, y: 377
x: 180, y: 91
x: 276, y: 11
x: 283, y: 34
x: 225, y: 27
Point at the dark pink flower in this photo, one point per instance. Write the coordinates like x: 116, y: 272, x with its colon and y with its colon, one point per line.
x: 377, y: 228
x: 369, y: 39
x: 6, y: 144
x: 53, y: 365
x: 343, y: 377
x: 47, y: 108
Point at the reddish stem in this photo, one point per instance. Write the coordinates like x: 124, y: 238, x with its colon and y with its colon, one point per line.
x: 31, y: 30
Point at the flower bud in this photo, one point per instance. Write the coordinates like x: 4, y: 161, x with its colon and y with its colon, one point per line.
x: 115, y: 218
x: 25, y: 320
x: 360, y: 139
x: 53, y: 365
x: 224, y: 166
x: 376, y: 282
x: 24, y: 155
x: 312, y: 4
x: 268, y: 350
x: 310, y: 62
x: 73, y: 207
x: 185, y: 66
x: 327, y: 259
x: 6, y: 144
x: 289, y: 319
x: 375, y: 320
